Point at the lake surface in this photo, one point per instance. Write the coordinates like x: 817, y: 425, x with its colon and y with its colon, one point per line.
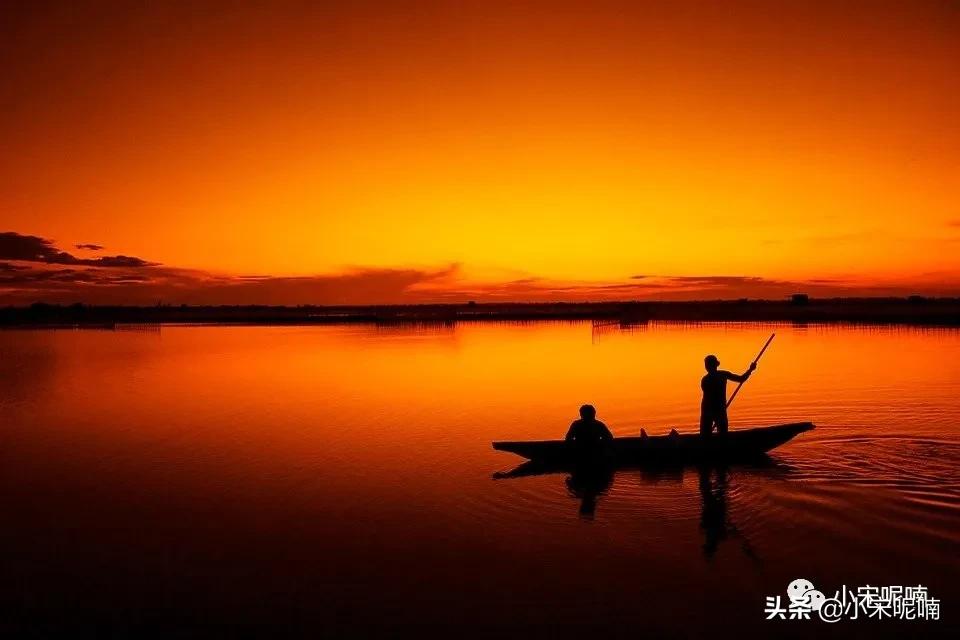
x: 339, y: 480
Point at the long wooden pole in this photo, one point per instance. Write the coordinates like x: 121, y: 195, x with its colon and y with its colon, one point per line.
x: 755, y: 360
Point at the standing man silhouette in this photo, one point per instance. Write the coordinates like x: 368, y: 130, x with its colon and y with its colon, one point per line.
x: 713, y: 407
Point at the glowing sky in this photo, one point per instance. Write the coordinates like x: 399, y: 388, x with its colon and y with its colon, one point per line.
x: 385, y: 152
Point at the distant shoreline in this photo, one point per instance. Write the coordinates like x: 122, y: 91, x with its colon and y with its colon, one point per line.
x: 914, y: 310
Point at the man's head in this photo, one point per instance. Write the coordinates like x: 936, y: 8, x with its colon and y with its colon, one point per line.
x: 587, y: 412
x: 711, y: 363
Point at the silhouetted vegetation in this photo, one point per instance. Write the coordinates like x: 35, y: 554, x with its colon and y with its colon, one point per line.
x: 912, y: 310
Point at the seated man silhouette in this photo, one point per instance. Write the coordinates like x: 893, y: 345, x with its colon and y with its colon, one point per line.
x: 588, y: 434
x: 713, y: 407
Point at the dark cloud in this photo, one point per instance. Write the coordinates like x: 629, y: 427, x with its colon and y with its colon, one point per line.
x: 33, y: 270
x: 27, y: 277
x: 953, y: 223
x: 16, y: 246
x: 116, y: 261
x: 36, y: 282
x: 89, y: 246
x: 28, y: 282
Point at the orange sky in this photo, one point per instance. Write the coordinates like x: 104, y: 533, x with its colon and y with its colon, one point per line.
x: 364, y: 152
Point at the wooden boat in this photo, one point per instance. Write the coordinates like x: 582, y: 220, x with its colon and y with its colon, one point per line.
x: 742, y: 444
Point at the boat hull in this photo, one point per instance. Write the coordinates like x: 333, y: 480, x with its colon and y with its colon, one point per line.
x: 743, y: 444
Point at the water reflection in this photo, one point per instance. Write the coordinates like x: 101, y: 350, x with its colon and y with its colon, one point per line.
x: 589, y: 483
x: 339, y: 477
x: 713, y: 514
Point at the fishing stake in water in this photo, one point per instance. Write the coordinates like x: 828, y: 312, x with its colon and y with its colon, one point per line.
x: 755, y: 361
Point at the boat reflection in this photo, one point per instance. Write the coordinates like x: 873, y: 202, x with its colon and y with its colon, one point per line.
x: 589, y: 483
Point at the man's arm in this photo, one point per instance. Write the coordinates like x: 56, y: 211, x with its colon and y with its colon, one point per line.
x: 570, y: 432
x: 743, y: 378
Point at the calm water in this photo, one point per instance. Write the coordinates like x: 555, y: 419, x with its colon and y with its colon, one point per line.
x: 339, y: 480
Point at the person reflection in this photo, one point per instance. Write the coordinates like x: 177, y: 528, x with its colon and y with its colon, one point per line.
x: 713, y: 518
x: 588, y: 483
